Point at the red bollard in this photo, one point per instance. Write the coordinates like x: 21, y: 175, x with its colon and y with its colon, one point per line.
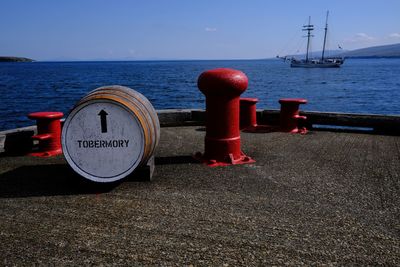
x: 48, y: 133
x: 248, y: 117
x: 289, y: 115
x: 248, y: 113
x: 222, y: 88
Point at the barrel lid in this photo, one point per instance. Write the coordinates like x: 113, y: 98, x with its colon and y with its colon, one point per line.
x: 103, y: 140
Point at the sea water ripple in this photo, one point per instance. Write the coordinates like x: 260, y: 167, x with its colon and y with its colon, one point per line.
x: 360, y: 86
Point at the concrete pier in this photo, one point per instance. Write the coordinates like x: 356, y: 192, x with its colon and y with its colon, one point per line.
x: 324, y: 198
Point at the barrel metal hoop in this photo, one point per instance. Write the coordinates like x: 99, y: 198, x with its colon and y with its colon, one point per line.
x: 137, y: 98
x: 148, y: 139
x: 141, y: 102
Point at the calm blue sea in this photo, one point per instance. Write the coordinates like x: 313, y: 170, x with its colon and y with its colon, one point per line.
x: 360, y: 86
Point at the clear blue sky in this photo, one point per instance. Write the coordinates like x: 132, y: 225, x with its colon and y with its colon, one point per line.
x: 186, y: 29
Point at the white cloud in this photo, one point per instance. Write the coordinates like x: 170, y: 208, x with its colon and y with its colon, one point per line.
x: 394, y: 35
x: 210, y: 29
x: 364, y: 37
x: 359, y: 38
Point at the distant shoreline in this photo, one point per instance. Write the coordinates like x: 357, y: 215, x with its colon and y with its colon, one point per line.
x: 22, y: 59
x: 372, y: 57
x: 188, y: 60
x: 15, y: 59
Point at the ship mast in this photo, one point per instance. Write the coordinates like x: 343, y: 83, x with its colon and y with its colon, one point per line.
x: 326, y: 30
x: 308, y: 28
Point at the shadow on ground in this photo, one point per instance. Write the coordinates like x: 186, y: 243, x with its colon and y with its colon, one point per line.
x: 175, y: 160
x: 60, y: 179
x: 47, y: 180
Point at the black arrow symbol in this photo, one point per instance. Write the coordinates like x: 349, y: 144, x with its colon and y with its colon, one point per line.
x: 103, y: 120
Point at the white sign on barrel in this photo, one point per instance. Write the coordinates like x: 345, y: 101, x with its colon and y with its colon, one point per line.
x: 103, y: 141
x: 110, y: 131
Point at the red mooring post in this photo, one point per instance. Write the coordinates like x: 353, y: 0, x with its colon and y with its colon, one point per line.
x: 248, y: 117
x: 289, y: 115
x: 222, y: 88
x: 248, y: 113
x: 48, y: 133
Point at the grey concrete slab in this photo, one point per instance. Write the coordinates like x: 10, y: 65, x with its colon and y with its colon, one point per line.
x: 318, y: 199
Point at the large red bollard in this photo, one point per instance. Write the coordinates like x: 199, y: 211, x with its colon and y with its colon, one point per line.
x: 48, y: 133
x: 222, y: 88
x: 289, y: 115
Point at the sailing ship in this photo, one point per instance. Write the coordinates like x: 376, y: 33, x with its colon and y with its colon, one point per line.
x: 323, y: 61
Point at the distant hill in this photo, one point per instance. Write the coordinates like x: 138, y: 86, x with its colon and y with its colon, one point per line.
x: 392, y: 50
x: 15, y: 59
x: 317, y: 54
x: 386, y: 51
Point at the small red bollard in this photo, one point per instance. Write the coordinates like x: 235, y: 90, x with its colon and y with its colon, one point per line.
x: 248, y: 117
x: 248, y: 113
x: 222, y: 88
x: 289, y: 115
x: 48, y: 133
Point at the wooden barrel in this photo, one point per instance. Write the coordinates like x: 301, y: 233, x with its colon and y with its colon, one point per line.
x: 109, y: 133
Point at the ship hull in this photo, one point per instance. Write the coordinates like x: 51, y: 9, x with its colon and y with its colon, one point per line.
x: 314, y: 65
